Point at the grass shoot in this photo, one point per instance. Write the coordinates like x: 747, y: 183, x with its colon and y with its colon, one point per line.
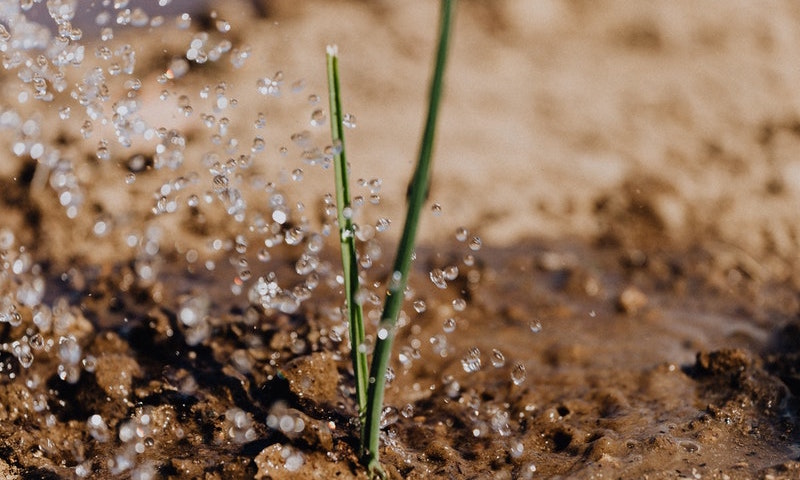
x: 347, y: 238
x: 370, y: 408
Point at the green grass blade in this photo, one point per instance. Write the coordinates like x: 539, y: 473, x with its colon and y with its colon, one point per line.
x: 418, y: 192
x: 347, y: 238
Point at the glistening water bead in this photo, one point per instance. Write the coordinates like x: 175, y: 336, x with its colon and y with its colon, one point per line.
x: 471, y: 362
x: 449, y: 325
x: 419, y: 306
x: 459, y: 304
x: 475, y: 243
x: 518, y: 373
x: 318, y: 118
x: 498, y: 359
x: 438, y: 278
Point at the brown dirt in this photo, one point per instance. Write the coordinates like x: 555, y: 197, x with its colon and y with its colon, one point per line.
x: 632, y: 311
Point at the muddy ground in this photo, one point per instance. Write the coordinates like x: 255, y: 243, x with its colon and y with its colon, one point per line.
x: 612, y: 233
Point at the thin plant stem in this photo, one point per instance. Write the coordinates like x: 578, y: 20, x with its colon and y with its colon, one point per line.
x: 347, y: 239
x: 417, y: 194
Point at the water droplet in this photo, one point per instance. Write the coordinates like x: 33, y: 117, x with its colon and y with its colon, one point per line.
x: 302, y: 139
x: 472, y: 360
x: 318, y: 118
x: 89, y: 363
x: 69, y: 351
x: 261, y: 121
x: 451, y: 273
x: 691, y: 447
x: 183, y: 21
x: 37, y: 150
x: 535, y: 326
x: 382, y: 224
x: 102, y: 151
x: 106, y: 34
x: 294, y: 236
x: 436, y: 209
x: 23, y: 353
x: 98, y: 429
x: 498, y: 359
x: 36, y: 341
x: 518, y: 373
x: 306, y: 264
x: 461, y: 234
x: 223, y: 26
x: 438, y: 278
x: 270, y: 86
x: 86, y: 129
x: 6, y: 239
x: 419, y: 306
x: 313, y: 99
x: 449, y: 325
x: 459, y: 304
x: 294, y: 460
x: 517, y: 449
x: 297, y: 174
x: 280, y: 216
x: 349, y: 120
x: 365, y: 232
x: 475, y: 243
x: 389, y: 416
x: 383, y: 333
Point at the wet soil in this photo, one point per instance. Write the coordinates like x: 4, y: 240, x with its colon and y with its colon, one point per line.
x: 690, y: 379
x: 631, y: 311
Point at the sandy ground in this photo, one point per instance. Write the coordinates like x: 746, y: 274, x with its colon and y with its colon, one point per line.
x: 630, y: 168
